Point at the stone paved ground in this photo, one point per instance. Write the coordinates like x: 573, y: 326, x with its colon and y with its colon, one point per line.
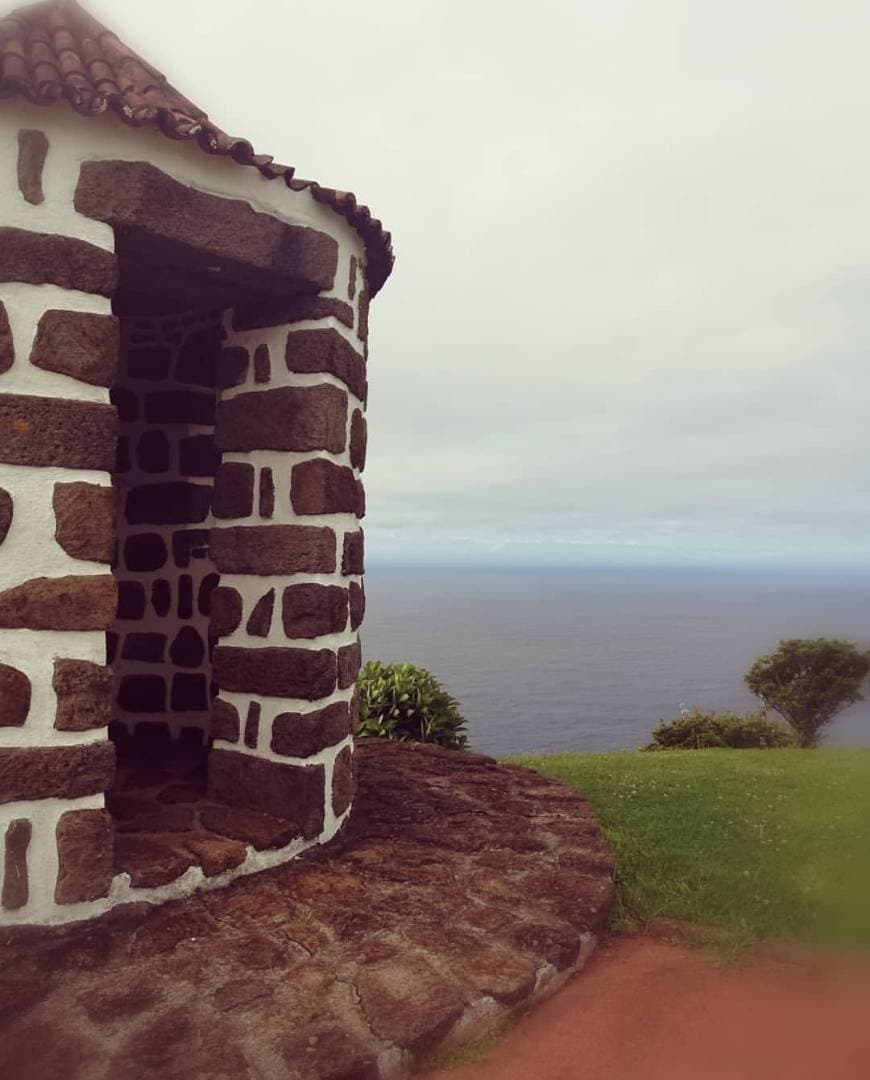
x: 462, y: 890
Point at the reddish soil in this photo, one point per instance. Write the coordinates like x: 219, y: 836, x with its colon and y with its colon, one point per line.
x: 644, y: 1009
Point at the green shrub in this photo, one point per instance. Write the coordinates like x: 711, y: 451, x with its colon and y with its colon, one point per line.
x: 697, y: 730
x: 407, y: 703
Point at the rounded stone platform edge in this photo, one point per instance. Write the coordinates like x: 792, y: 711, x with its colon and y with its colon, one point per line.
x: 459, y: 893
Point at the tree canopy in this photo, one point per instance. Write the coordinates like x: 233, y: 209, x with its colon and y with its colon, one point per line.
x: 809, y: 681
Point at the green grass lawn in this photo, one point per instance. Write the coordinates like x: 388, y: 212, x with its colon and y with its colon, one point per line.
x: 757, y: 843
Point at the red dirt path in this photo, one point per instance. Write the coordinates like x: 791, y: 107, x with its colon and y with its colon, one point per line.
x: 643, y: 1009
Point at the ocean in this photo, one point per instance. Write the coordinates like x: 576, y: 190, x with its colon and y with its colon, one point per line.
x: 549, y: 659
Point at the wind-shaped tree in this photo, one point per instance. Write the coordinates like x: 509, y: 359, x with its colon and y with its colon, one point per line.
x: 809, y: 681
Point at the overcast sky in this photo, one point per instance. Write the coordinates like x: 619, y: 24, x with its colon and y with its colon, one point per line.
x: 630, y: 314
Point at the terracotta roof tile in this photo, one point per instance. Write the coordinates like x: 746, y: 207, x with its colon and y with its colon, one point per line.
x: 55, y: 51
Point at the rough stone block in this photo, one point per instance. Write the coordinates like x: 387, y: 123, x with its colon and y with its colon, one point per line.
x: 318, y: 351
x: 300, y: 418
x: 352, y: 559
x: 226, y: 611
x: 260, y: 621
x: 273, y: 549
x: 234, y: 490
x: 189, y: 693
x: 253, y: 247
x: 261, y: 831
x: 343, y: 782
x: 262, y: 364
x: 126, y: 402
x: 145, y: 551
x: 293, y: 793
x: 179, y: 407
x: 7, y: 344
x: 146, y: 648
x: 197, y: 357
x: 67, y: 603
x: 357, y: 604
x: 358, y: 440
x: 294, y: 309
x: 349, y: 664
x: 322, y: 487
x: 142, y: 694
x: 32, y: 152
x: 150, y: 363
x: 68, y: 772
x: 161, y: 597
x: 84, y: 517
x: 79, y: 344
x: 131, y: 599
x: 252, y: 725
x: 152, y: 452
x: 231, y: 367
x: 47, y: 259
x: 276, y: 672
x: 16, y: 890
x: 267, y: 494
x: 14, y: 696
x: 188, y: 649
x: 303, y: 734
x: 84, y: 695
x: 310, y: 610
x: 84, y: 851
x: 53, y: 431
x: 6, y: 512
x: 171, y: 503
x: 225, y: 722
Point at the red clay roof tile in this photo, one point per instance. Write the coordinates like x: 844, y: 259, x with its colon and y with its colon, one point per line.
x: 55, y: 51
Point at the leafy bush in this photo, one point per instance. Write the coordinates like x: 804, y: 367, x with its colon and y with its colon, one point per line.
x: 697, y: 730
x: 407, y: 703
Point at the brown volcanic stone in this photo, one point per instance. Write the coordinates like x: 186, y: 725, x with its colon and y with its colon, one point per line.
x: 179, y: 407
x: 79, y: 344
x: 349, y: 663
x: 197, y: 357
x: 54, y: 431
x: 225, y: 722
x: 311, y: 610
x: 215, y: 854
x: 14, y: 696
x: 231, y: 368
x: 198, y: 456
x: 358, y: 440
x: 84, y: 849
x: 7, y: 509
x: 273, y: 549
x: 253, y: 247
x: 303, y: 734
x: 267, y: 493
x: 319, y: 351
x: 357, y: 604
x: 252, y: 725
x: 145, y: 551
x: 67, y: 603
x: 343, y: 782
x: 351, y: 278
x: 260, y: 830
x: 300, y: 418
x: 7, y: 345
x: 262, y: 364
x: 15, y: 881
x: 296, y: 309
x: 293, y: 793
x: 260, y: 621
x: 46, y: 259
x: 226, y: 611
x: 85, y: 520
x: 293, y: 673
x: 362, y: 327
x: 322, y: 487
x: 151, y: 860
x: 84, y: 695
x: 234, y: 490
x: 352, y: 561
x: 32, y: 152
x: 172, y: 503
x: 67, y: 772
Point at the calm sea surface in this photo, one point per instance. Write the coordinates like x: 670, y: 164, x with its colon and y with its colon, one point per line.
x: 591, y: 659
